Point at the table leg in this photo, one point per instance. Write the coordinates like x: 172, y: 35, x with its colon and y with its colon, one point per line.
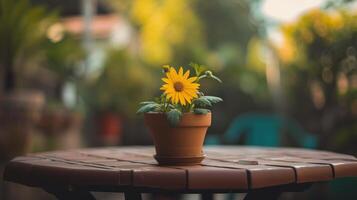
x: 132, y: 195
x: 266, y: 195
x: 206, y: 196
x: 71, y: 195
x: 274, y: 193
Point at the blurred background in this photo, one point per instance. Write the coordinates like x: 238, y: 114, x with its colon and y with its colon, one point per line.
x: 72, y: 73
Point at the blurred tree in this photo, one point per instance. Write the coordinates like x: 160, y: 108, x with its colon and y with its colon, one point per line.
x: 63, y: 57
x: 122, y: 84
x: 323, y: 72
x: 181, y: 31
x: 168, y: 31
x: 232, y: 33
x: 221, y: 34
x: 337, y: 3
x: 227, y: 22
x: 22, y: 29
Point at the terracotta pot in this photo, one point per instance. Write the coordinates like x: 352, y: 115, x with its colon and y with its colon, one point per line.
x: 19, y: 112
x: 180, y: 145
x: 53, y: 121
x: 110, y: 128
x: 57, y: 121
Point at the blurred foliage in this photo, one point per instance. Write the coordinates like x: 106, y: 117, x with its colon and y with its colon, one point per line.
x: 167, y: 30
x: 221, y: 34
x: 338, y: 3
x: 64, y: 56
x: 234, y: 48
x: 123, y: 83
x: 227, y: 23
x: 22, y: 30
x: 321, y: 68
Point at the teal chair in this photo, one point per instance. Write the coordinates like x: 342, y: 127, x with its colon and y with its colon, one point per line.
x: 264, y: 130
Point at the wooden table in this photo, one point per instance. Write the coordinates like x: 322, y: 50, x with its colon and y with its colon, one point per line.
x: 260, y: 172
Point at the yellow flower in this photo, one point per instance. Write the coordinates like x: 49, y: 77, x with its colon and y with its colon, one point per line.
x: 178, y: 87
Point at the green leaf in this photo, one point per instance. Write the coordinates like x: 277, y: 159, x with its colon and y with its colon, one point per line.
x: 201, y: 111
x: 202, y: 102
x: 198, y: 68
x: 213, y: 99
x: 174, y: 117
x: 147, y: 102
x: 148, y: 108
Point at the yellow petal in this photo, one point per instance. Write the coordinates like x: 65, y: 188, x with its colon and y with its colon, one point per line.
x: 173, y: 74
x: 192, y: 79
x: 182, y: 99
x: 193, y: 94
x: 187, y: 97
x: 189, y: 100
x: 166, y: 80
x: 177, y: 98
x: 190, y: 93
x: 180, y: 72
x: 174, y: 98
x: 193, y: 85
x: 187, y: 74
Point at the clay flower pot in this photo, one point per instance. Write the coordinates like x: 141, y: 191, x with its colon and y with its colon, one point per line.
x: 20, y: 111
x: 179, y: 145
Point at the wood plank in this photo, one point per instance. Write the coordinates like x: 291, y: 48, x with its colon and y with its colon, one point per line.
x: 206, y: 177
x: 122, y: 156
x: 261, y: 152
x: 47, y: 172
x: 43, y: 172
x: 342, y: 168
x: 259, y: 176
x: 159, y: 178
x: 305, y: 172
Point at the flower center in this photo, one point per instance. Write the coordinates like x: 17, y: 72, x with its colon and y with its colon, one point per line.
x: 178, y: 86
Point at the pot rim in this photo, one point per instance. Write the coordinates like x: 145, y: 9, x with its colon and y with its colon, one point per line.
x: 187, y: 120
x: 187, y: 113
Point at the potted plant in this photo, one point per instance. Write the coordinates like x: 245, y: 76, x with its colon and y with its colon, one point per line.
x: 61, y: 60
x: 179, y: 118
x: 22, y: 30
x: 113, y: 97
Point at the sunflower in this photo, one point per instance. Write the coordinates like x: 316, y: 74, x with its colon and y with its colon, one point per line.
x: 178, y: 87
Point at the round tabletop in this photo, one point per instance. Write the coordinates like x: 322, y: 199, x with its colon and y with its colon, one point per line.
x: 233, y: 168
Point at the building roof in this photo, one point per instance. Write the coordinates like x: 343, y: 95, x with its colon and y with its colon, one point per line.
x: 102, y: 25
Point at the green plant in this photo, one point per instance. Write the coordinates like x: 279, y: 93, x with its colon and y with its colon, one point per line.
x: 63, y: 56
x: 122, y: 83
x: 22, y: 29
x: 181, y: 94
x: 320, y: 58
